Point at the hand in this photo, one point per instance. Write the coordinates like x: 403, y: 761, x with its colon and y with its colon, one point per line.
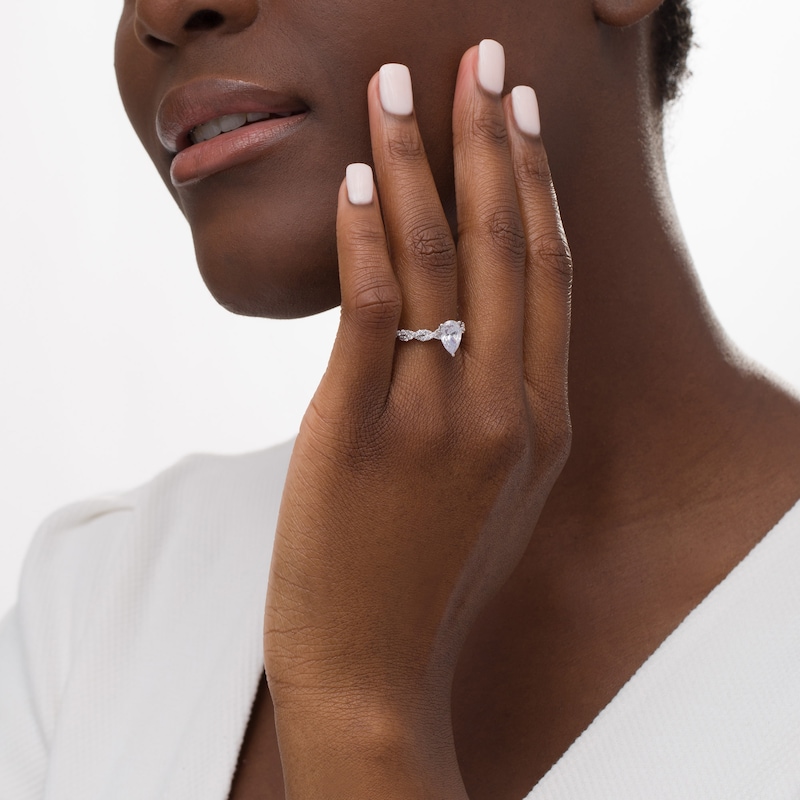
x: 417, y: 479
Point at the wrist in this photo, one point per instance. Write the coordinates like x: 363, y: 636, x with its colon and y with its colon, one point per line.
x: 354, y: 747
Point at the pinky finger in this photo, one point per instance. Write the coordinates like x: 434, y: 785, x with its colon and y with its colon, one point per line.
x: 548, y: 282
x: 363, y: 354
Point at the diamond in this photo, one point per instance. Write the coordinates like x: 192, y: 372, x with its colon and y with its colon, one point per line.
x: 450, y: 333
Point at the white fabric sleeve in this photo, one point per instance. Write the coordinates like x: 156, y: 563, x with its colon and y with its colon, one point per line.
x: 41, y: 634
x: 23, y: 754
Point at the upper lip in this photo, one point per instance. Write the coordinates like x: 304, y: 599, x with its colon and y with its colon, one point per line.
x: 193, y: 104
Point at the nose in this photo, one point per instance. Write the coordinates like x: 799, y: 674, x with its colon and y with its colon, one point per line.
x: 164, y: 24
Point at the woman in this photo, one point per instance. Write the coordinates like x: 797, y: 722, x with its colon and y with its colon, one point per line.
x: 453, y: 603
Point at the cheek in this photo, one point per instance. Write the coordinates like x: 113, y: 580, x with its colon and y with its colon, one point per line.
x: 287, y: 271
x: 127, y: 52
x: 138, y: 80
x: 264, y: 232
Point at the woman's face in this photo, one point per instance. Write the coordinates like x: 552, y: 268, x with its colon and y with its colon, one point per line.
x: 261, y: 199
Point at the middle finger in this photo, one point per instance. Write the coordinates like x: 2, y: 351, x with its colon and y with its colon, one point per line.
x: 420, y: 241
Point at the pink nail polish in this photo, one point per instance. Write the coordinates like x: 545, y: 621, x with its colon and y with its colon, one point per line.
x: 491, y: 66
x: 394, y: 82
x: 358, y: 179
x: 526, y: 110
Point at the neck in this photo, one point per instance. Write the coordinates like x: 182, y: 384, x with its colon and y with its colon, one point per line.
x: 655, y: 386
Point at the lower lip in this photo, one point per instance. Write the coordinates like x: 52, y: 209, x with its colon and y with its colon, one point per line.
x: 231, y: 149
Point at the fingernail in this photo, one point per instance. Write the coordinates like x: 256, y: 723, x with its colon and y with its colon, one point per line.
x: 358, y: 178
x: 526, y: 110
x: 395, y: 88
x: 491, y: 66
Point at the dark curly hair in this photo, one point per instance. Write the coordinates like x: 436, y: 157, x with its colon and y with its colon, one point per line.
x: 672, y: 41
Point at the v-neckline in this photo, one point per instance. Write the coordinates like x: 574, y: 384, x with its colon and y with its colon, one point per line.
x: 679, y: 726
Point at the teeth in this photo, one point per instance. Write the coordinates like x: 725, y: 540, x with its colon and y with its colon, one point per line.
x: 229, y: 122
x: 232, y: 121
x: 207, y: 130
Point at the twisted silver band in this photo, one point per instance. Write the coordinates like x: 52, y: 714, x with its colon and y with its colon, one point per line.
x: 448, y: 333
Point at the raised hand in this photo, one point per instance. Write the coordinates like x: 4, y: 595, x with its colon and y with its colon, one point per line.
x: 417, y: 478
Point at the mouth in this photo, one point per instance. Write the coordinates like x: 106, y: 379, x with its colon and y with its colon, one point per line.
x: 229, y: 122
x: 211, y: 125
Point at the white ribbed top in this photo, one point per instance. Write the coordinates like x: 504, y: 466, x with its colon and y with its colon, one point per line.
x: 129, y: 666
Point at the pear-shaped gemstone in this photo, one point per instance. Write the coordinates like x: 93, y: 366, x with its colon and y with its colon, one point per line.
x: 451, y: 332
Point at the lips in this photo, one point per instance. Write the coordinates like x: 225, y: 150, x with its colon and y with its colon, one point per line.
x: 211, y: 125
x: 227, y: 123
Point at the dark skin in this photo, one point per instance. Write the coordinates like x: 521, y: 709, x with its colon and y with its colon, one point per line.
x: 682, y: 455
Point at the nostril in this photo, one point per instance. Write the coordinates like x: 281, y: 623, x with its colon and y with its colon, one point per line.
x: 204, y: 20
x: 154, y: 43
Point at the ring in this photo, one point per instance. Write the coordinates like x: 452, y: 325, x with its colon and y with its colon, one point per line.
x: 448, y: 333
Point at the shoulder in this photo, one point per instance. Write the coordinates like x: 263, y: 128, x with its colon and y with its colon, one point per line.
x: 71, y: 544
x: 114, y: 559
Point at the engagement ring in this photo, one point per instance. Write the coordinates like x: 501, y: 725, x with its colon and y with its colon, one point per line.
x: 448, y: 333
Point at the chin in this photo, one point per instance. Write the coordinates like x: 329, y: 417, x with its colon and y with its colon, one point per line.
x: 267, y: 253
x: 247, y: 279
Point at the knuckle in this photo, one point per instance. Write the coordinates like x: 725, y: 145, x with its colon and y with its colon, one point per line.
x: 533, y: 173
x: 488, y: 126
x: 364, y: 238
x: 507, y: 446
x: 377, y: 304
x: 433, y: 244
x: 507, y: 234
x: 551, y: 252
x: 405, y: 145
x: 502, y: 436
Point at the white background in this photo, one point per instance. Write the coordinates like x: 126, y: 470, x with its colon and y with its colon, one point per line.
x: 115, y: 361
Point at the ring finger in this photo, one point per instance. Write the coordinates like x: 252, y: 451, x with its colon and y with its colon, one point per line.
x: 420, y: 241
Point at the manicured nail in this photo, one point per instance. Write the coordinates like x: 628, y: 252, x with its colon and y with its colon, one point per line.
x: 358, y: 178
x: 394, y: 82
x: 491, y: 66
x: 526, y: 110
